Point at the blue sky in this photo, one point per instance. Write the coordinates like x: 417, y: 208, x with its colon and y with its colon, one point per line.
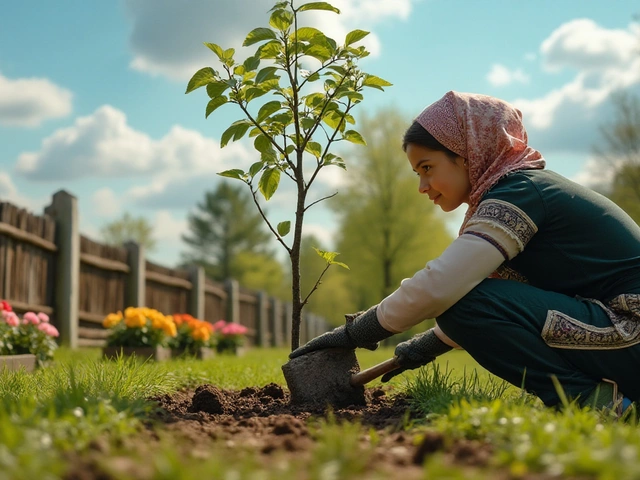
x: 92, y: 93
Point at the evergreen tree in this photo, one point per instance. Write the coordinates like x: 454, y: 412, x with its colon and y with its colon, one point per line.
x: 224, y: 225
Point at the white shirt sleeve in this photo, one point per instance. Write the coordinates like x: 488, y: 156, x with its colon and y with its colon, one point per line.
x: 431, y: 291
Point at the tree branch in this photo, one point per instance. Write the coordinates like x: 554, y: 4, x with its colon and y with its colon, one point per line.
x: 266, y: 220
x: 318, y: 201
x: 315, y: 287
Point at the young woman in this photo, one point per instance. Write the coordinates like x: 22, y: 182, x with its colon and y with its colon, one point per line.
x: 543, y: 280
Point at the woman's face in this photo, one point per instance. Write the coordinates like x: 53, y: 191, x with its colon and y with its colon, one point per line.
x: 444, y: 180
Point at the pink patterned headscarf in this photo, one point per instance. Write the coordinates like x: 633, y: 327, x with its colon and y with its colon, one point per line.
x: 487, y: 132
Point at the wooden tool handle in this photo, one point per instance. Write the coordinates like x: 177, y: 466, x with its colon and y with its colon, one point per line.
x: 365, y: 376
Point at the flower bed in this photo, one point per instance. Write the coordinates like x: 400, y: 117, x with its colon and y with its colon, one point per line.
x: 144, y: 332
x: 195, y: 337
x: 25, y: 342
x: 231, y: 337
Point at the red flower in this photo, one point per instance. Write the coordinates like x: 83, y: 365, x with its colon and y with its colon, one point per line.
x: 4, y: 306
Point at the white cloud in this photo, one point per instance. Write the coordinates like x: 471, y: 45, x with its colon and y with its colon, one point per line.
x: 9, y: 192
x: 105, y: 203
x: 499, y: 76
x: 604, y: 61
x: 167, y: 36
x: 27, y: 102
x: 584, y: 45
x: 104, y: 145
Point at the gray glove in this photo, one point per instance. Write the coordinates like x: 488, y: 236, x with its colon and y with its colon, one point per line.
x: 416, y: 352
x: 363, y: 331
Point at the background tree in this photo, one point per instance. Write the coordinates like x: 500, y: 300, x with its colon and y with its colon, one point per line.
x: 294, y: 132
x: 387, y: 230
x: 129, y: 228
x: 223, y: 226
x: 619, y: 150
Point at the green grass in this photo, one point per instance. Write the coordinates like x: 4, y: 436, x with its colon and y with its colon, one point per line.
x: 81, y: 398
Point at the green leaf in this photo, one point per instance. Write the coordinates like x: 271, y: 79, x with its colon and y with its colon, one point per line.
x: 317, y: 6
x: 241, y: 130
x: 355, y: 36
x: 354, y: 137
x: 235, y: 131
x: 331, y: 159
x: 279, y: 6
x: 255, y: 168
x: 202, y: 77
x: 307, y: 123
x: 258, y: 35
x: 281, y: 20
x: 269, y: 182
x: 270, y: 50
x: 321, y: 53
x: 239, y: 70
x: 284, y: 228
x: 375, y: 82
x: 228, y: 53
x: 215, y: 103
x: 267, y: 109
x: 251, y: 63
x: 267, y: 73
x: 314, y: 148
x: 334, y: 120
x: 216, y: 89
x: 329, y: 257
x: 216, y: 49
x: 314, y: 100
x: 235, y: 173
x: 305, y: 34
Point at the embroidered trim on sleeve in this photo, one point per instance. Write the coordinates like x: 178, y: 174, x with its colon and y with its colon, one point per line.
x: 562, y: 331
x: 489, y: 239
x: 506, y: 272
x: 508, y: 218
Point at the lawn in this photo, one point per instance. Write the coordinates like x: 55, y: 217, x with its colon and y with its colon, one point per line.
x: 84, y: 417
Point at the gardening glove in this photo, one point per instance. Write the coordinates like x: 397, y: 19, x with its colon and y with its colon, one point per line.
x: 416, y: 352
x: 363, y: 331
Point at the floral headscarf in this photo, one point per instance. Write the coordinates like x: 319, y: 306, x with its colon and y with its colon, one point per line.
x: 487, y: 132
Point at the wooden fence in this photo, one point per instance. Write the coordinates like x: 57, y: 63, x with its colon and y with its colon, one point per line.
x: 47, y: 266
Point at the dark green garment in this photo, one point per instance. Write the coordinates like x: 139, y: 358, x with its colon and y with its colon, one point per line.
x: 584, y: 245
x: 569, y: 313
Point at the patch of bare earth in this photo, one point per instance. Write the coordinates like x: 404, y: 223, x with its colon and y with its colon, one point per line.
x: 262, y: 420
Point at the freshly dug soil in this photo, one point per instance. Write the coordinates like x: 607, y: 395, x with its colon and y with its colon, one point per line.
x: 263, y: 420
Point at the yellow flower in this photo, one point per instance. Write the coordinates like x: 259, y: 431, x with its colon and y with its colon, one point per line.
x: 170, y: 329
x: 112, y: 320
x: 136, y: 320
x: 201, y: 333
x: 130, y: 311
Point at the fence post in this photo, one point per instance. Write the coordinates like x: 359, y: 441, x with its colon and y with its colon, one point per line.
x: 64, y: 209
x: 136, y: 282
x: 233, y: 300
x: 275, y: 323
x: 196, y: 303
x: 262, y: 327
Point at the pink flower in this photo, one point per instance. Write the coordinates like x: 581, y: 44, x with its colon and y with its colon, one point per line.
x: 30, y: 317
x: 233, y: 329
x: 49, y: 329
x: 219, y: 325
x: 11, y: 318
x: 43, y: 317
